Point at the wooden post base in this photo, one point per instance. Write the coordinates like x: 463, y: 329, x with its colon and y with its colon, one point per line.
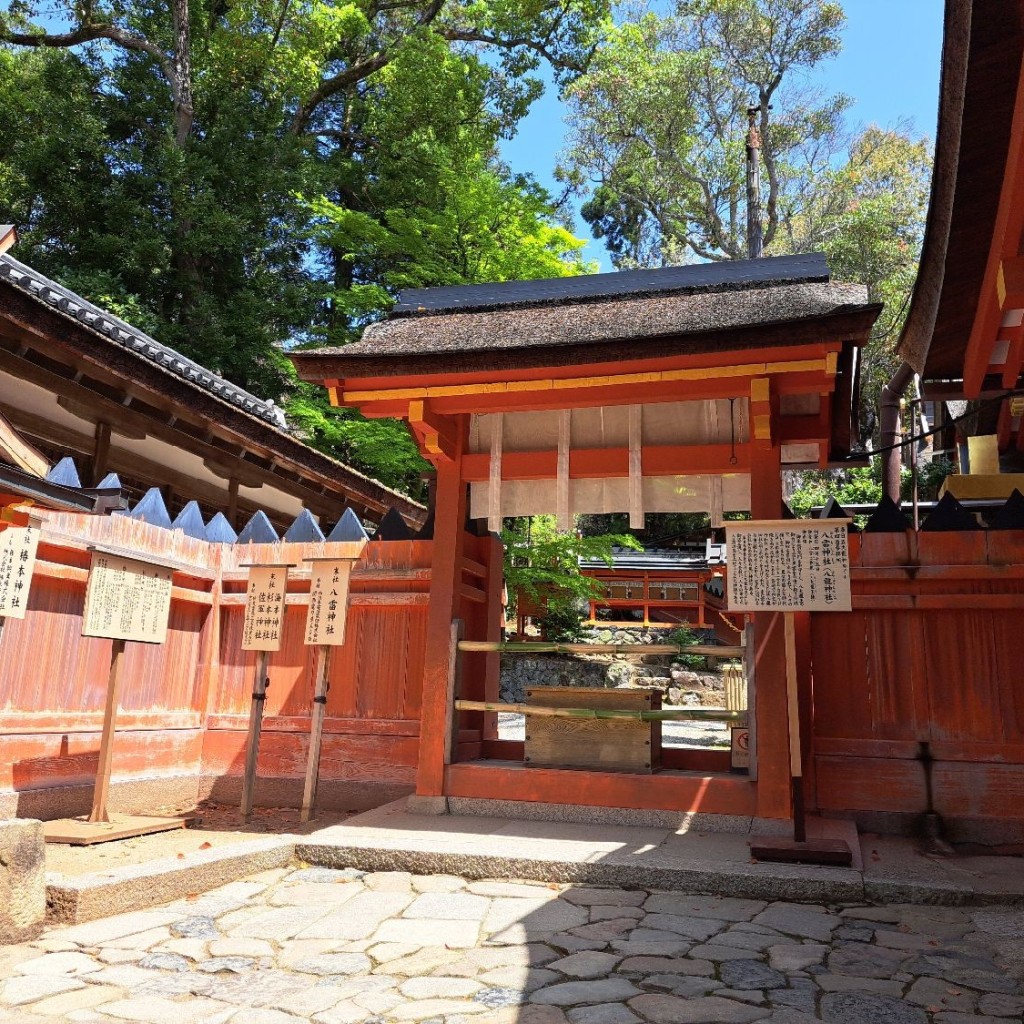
x: 813, y: 851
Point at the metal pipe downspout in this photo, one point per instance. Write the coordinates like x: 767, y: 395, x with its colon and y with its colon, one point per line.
x: 889, y: 421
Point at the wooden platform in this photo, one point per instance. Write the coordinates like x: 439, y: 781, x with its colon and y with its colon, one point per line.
x: 80, y: 832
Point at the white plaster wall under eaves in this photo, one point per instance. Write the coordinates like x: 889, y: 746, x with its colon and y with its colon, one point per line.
x: 17, y: 395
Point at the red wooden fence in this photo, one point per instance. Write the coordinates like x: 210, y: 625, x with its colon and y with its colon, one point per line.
x: 933, y: 652
x: 186, y: 703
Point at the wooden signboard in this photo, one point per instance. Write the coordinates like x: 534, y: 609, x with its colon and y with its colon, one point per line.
x: 328, y: 602
x: 788, y: 566
x: 264, y: 607
x: 740, y: 753
x: 127, y: 599
x: 325, y: 629
x: 791, y: 565
x: 17, y: 560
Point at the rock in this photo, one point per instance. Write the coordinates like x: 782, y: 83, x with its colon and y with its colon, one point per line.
x: 496, y: 998
x: 31, y: 987
x: 164, y: 962
x: 195, y: 928
x: 936, y: 994
x: 335, y: 963
x: 572, y: 993
x: 862, y: 961
x: 796, y: 956
x: 674, y: 1010
x: 226, y: 964
x: 602, y: 1013
x: 325, y: 875
x: 796, y: 920
x: 862, y: 1008
x: 22, y: 880
x: 750, y: 974
x: 586, y: 965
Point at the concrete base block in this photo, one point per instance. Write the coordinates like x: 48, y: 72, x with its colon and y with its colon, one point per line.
x: 22, y: 880
x: 427, y: 804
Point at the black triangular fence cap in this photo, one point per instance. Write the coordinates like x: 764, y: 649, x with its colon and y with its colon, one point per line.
x: 151, y: 509
x: 393, y: 527
x: 787, y: 512
x: 259, y: 530
x: 833, y: 510
x: 65, y: 473
x: 220, y: 531
x: 1011, y: 515
x: 305, y: 529
x: 426, y: 531
x: 949, y: 515
x: 348, y: 529
x: 887, y: 518
x: 190, y: 521
x: 111, y: 482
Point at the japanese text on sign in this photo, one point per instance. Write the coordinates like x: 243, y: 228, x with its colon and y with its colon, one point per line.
x: 328, y: 603
x: 264, y: 607
x: 17, y: 560
x: 794, y: 565
x: 126, y: 599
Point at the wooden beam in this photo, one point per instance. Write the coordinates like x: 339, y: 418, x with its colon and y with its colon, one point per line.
x: 1010, y: 283
x: 118, y: 418
x: 436, y: 434
x: 591, y: 463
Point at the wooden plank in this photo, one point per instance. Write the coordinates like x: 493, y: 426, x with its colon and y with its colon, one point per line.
x: 563, y: 513
x: 79, y: 832
x: 683, y: 792
x: 610, y: 743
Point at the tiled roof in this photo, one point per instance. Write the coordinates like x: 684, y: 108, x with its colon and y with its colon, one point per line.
x: 41, y: 288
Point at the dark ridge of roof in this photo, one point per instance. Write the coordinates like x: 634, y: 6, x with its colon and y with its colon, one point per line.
x: 692, y: 279
x: 621, y: 319
x: 41, y: 288
x: 653, y: 558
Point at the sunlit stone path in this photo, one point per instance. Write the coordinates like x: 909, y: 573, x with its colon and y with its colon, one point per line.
x: 341, y: 947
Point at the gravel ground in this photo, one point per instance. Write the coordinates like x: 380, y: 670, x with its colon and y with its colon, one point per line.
x: 673, y: 734
x: 344, y: 947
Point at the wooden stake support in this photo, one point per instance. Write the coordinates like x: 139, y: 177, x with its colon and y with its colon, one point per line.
x: 320, y: 688
x: 798, y: 849
x: 99, y: 800
x: 252, y: 743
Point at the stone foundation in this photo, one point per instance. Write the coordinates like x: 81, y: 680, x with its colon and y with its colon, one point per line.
x: 22, y: 880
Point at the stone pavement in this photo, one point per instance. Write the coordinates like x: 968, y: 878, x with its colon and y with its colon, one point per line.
x: 337, y: 946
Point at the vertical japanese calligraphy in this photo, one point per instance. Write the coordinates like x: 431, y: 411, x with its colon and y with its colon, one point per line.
x: 328, y: 602
x: 17, y: 560
x: 126, y: 599
x: 264, y: 607
x: 788, y: 566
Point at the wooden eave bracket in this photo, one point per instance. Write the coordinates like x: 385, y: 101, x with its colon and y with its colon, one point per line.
x: 762, y: 418
x: 435, y: 434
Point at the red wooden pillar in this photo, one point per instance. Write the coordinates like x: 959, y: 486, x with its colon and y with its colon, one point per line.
x: 445, y: 578
x: 773, y: 776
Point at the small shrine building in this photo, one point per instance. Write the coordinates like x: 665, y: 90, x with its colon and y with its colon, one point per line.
x: 681, y: 389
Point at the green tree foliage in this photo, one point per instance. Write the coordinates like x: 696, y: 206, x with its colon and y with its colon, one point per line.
x: 659, y: 127
x: 240, y: 177
x: 543, y: 564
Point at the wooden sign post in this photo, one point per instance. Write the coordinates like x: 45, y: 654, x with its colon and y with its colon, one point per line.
x: 325, y: 629
x: 126, y: 600
x: 266, y: 595
x: 790, y: 566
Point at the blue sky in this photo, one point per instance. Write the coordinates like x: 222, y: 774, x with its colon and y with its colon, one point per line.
x: 889, y: 66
